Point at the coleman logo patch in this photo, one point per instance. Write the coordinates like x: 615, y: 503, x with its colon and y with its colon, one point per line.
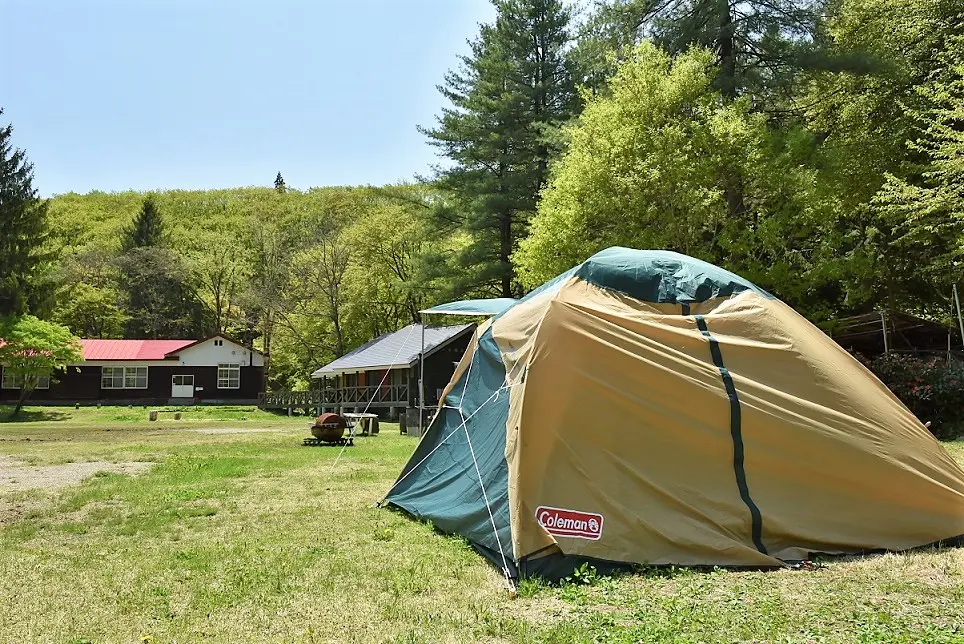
x: 570, y: 523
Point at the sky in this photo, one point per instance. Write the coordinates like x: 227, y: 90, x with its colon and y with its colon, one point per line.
x: 157, y: 94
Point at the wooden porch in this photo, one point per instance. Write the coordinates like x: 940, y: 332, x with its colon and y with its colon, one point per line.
x: 362, y: 396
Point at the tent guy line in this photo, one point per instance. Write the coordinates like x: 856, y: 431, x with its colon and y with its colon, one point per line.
x: 455, y: 431
x: 375, y: 393
x: 488, y: 506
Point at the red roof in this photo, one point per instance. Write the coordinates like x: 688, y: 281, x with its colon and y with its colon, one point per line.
x: 131, y: 349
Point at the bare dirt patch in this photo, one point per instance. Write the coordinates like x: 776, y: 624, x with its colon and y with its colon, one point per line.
x: 543, y: 610
x: 12, y: 511
x: 17, y: 477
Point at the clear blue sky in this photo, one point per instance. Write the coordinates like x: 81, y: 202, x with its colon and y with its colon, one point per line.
x: 152, y: 94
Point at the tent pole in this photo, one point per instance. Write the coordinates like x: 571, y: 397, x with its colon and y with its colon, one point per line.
x: 421, y: 377
x: 883, y: 326
x: 960, y: 321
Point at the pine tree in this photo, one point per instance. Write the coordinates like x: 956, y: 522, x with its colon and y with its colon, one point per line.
x: 760, y: 44
x: 279, y: 183
x: 23, y: 232
x: 161, y: 302
x: 147, y: 229
x: 509, y: 99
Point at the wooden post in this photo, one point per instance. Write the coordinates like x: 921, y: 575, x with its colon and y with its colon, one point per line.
x: 421, y: 378
x: 883, y: 325
x: 960, y: 320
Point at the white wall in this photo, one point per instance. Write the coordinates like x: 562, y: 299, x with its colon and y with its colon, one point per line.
x: 207, y: 354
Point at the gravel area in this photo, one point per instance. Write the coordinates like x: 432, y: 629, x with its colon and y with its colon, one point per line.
x: 16, y: 476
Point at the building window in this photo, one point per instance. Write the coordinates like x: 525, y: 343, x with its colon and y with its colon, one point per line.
x: 123, y: 377
x: 12, y: 381
x: 229, y: 375
x: 135, y: 377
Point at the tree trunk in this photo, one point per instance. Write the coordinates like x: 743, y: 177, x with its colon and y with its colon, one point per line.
x: 24, y: 393
x: 339, y: 340
x: 505, y: 250
x: 726, y: 48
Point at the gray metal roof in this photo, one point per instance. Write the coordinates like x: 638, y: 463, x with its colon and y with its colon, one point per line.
x: 394, y: 350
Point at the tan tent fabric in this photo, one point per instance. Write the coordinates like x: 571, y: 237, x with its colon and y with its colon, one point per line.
x: 624, y: 413
x: 647, y: 407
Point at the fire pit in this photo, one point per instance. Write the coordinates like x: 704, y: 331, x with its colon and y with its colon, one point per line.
x: 329, y: 429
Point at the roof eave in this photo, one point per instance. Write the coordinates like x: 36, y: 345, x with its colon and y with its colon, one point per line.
x: 318, y: 373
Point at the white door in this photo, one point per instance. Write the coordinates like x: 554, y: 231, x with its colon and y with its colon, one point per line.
x: 183, y: 387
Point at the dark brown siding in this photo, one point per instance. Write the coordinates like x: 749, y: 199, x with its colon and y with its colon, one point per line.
x: 252, y: 379
x: 440, y: 366
x: 83, y: 385
x: 76, y: 384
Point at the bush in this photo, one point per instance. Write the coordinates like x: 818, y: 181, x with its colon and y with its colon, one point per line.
x: 929, y: 386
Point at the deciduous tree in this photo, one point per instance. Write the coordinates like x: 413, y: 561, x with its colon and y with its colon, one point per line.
x: 32, y: 349
x: 649, y: 164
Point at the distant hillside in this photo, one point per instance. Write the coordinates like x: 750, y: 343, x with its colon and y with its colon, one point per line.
x: 97, y: 218
x: 304, y: 276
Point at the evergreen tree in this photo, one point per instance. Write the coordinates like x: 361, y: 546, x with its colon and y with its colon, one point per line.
x: 148, y: 227
x: 509, y: 98
x: 760, y: 45
x: 279, y: 183
x: 161, y: 302
x: 23, y: 232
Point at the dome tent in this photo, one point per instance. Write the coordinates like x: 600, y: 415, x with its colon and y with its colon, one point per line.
x: 648, y: 407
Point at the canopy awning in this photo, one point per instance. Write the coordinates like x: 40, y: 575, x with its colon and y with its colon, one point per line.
x: 492, y: 306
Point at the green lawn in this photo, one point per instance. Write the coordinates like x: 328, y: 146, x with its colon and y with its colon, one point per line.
x: 238, y: 533
x: 138, y: 415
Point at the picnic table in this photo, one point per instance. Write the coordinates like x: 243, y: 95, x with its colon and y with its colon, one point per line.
x: 368, y: 423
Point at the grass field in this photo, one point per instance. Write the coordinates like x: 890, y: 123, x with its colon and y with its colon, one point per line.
x: 234, y: 532
x: 138, y: 415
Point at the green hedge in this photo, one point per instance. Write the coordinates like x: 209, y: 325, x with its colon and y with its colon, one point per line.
x: 929, y: 386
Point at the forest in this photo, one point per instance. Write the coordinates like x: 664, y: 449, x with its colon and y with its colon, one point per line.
x: 815, y: 147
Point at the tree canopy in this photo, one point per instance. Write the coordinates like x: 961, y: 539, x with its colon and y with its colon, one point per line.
x: 32, y: 349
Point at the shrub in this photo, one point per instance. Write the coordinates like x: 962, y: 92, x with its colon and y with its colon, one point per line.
x: 929, y: 386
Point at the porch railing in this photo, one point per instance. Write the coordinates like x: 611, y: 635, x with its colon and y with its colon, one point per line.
x: 394, y: 395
